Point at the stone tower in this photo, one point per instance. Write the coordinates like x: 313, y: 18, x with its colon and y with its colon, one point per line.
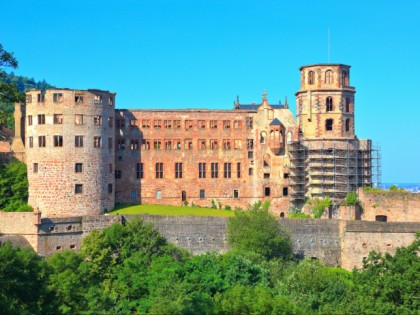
x: 325, y: 102
x: 69, y: 151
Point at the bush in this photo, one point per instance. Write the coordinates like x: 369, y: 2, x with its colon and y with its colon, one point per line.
x: 213, y: 204
x: 351, y: 199
x: 227, y: 207
x: 186, y: 203
x: 319, y: 205
x: 299, y: 216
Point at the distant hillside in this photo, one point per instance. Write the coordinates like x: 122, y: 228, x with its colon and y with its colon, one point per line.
x: 23, y: 84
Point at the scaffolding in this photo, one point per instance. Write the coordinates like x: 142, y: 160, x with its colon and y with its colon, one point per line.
x: 320, y: 168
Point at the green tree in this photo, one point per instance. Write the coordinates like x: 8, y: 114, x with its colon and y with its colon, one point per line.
x: 14, y: 187
x: 257, y: 231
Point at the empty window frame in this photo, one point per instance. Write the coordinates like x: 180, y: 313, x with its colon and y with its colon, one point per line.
x: 28, y: 98
x: 35, y: 169
x: 347, y: 124
x: 381, y: 218
x: 236, y: 193
x: 177, y: 144
x: 329, y: 124
x: 178, y: 170
x: 227, y: 170
x: 311, y: 78
x: 251, y: 171
x: 78, y: 189
x: 157, y: 124
x: 214, y: 170
x: 41, y: 119
x: 329, y: 104
x: 30, y: 120
x: 250, y: 154
x: 78, y: 141
x: 168, y: 124
x: 347, y: 104
x: 145, y: 144
x: 145, y: 123
x: 78, y: 119
x: 188, y: 144
x: 213, y: 124
x: 226, y: 124
x: 98, y: 99
x: 58, y: 141
x: 250, y: 144
x: 118, y: 174
x: 267, y: 191
x: 237, y: 144
x: 120, y: 123
x: 97, y: 120
x: 134, y: 144
x: 139, y: 170
x: 120, y: 143
x: 226, y: 145
x: 157, y: 144
x: 133, y: 123
x: 110, y: 101
x: 249, y: 123
x: 177, y: 124
x: 201, y: 144
x: 96, y: 142
x: 159, y: 170
x: 188, y: 124
x: 78, y: 98
x: 168, y: 144
x: 31, y: 141
x: 328, y: 77
x: 237, y: 124
x: 57, y: 97
x: 238, y: 170
x: 202, y: 194
x: 201, y: 124
x: 213, y: 144
x: 78, y: 168
x: 285, y: 191
x: 201, y: 170
x: 344, y: 78
x: 58, y: 119
x: 41, y: 98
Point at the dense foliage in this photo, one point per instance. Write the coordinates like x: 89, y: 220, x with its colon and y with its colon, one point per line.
x: 132, y: 269
x: 14, y: 187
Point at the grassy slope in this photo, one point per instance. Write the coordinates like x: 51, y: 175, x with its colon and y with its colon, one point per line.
x: 170, y: 210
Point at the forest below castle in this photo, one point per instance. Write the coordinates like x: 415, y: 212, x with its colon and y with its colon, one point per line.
x: 132, y: 269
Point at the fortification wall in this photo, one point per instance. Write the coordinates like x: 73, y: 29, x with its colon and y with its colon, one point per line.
x: 20, y: 228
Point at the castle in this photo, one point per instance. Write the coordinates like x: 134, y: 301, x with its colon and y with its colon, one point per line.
x: 84, y: 155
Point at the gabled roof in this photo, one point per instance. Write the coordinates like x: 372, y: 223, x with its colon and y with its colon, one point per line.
x: 276, y: 122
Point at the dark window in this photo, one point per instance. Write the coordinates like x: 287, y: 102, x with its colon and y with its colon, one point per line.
x: 267, y: 191
x: 110, y: 168
x: 31, y: 142
x: 201, y: 170
x: 97, y: 120
x: 381, y: 218
x: 249, y: 123
x: 96, y: 142
x: 157, y: 124
x: 57, y: 97
x: 41, y: 119
x: 282, y: 215
x: 35, y: 167
x: 329, y: 124
x: 178, y: 170
x: 250, y: 171
x: 109, y: 188
x: 120, y: 123
x: 226, y: 124
x: 159, y: 170
x: 329, y: 104
x: 157, y: 144
x: 41, y: 141
x: 189, y: 124
x: 311, y: 77
x: 41, y: 98
x: 168, y: 124
x: 118, y: 174
x: 347, y: 105
x: 236, y: 193
x: 250, y: 154
x: 28, y: 98
x: 183, y: 195
x: 250, y: 144
x: 78, y: 189
x: 139, y: 170
x: 227, y: 170
x: 110, y: 143
x: 120, y: 144
x: 285, y: 191
x: 286, y: 175
x: 202, y: 194
x: 134, y: 144
x: 213, y: 124
x: 30, y: 120
x: 58, y: 141
x: 78, y: 98
x: 78, y: 168
x: 78, y: 141
x: 344, y: 78
x: 133, y: 195
x: 58, y: 119
x: 214, y: 170
x: 238, y: 169
x: 348, y: 124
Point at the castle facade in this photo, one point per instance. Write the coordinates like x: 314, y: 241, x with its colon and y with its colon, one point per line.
x: 84, y: 155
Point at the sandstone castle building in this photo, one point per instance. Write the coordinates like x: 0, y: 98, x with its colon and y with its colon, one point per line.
x: 84, y: 155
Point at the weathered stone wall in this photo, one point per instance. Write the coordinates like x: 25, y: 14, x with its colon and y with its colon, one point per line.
x: 18, y: 227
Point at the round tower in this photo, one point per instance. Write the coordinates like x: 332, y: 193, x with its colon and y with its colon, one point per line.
x: 69, y: 151
x: 325, y: 102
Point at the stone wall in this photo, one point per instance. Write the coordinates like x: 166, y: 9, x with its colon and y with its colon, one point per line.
x: 21, y: 228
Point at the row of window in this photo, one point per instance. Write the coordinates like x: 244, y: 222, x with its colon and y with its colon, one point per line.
x: 58, y: 98
x: 329, y: 124
x: 58, y: 141
x: 188, y: 124
x: 78, y: 120
x: 176, y: 144
x: 329, y: 78
x: 329, y: 104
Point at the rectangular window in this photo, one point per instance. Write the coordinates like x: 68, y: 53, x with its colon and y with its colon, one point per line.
x: 31, y: 142
x: 98, y: 99
x: 159, y: 170
x: 329, y: 124
x: 78, y: 98
x: 249, y: 123
x: 237, y: 124
x: 28, y: 98
x: 250, y: 144
x: 188, y: 144
x: 133, y: 123
x: 201, y: 170
x: 110, y: 101
x: 157, y: 124
x: 201, y: 124
x: 227, y: 170
x: 97, y: 120
x: 30, y: 120
x: 78, y: 168
x: 110, y: 168
x: 96, y: 142
x: 78, y: 141
x: 120, y: 123
x: 78, y: 119
x: 213, y: 124
x: 250, y: 154
x: 177, y: 144
x: 41, y: 119
x: 58, y: 119
x: 201, y: 144
x: 236, y: 193
x: 157, y: 144
x: 110, y: 122
x: 267, y: 191
x: 118, y: 174
x: 35, y: 167
x: 78, y: 189
x: 237, y: 145
x: 178, y: 170
x: 226, y: 124
x: 58, y: 141
x: 285, y: 191
x: 250, y: 171
x: 213, y: 144
x: 226, y: 145
x: 168, y: 124
x: 214, y: 170
x: 139, y: 170
x: 238, y: 169
x: 120, y: 144
x: 41, y: 141
x: 110, y: 143
x: 134, y: 144
x: 188, y: 124
x: 202, y: 194
x: 109, y: 188
x: 57, y: 97
x: 145, y: 123
x: 286, y: 175
x: 168, y: 144
x: 145, y: 144
x: 41, y: 97
x: 177, y: 124
x: 133, y: 195
x: 158, y: 194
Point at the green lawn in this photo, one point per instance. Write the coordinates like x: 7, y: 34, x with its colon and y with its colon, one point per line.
x: 170, y: 210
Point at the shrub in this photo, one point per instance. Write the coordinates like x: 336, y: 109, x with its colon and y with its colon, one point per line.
x: 213, y: 204
x: 227, y: 207
x: 351, y: 199
x: 299, y: 216
x: 319, y: 205
x: 186, y: 203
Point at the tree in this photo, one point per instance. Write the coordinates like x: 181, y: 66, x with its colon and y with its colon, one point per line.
x: 14, y: 187
x: 257, y: 231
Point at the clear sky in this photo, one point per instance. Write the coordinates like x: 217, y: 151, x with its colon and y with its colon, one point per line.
x: 184, y: 54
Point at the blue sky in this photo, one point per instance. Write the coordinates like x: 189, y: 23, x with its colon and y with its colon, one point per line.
x: 184, y: 54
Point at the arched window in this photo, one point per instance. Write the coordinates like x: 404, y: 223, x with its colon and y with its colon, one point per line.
x: 329, y: 124
x: 347, y: 104
x: 344, y: 78
x: 329, y: 102
x: 328, y: 77
x: 348, y: 124
x: 263, y: 137
x: 311, y: 78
